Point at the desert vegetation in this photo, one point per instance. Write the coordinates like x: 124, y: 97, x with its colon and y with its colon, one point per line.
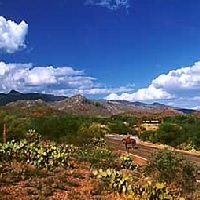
x: 42, y: 169
x: 181, y: 132
x: 62, y: 156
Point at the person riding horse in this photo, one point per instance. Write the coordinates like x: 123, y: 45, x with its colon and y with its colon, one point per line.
x: 128, y: 140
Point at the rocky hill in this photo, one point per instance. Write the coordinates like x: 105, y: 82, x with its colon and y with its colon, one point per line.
x: 80, y: 105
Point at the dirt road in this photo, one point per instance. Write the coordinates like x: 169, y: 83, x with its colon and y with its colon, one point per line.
x: 144, y: 150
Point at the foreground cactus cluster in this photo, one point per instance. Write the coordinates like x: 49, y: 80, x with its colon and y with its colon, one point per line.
x: 114, y: 179
x: 116, y: 172
x: 33, y: 151
x: 124, y: 184
x: 127, y: 162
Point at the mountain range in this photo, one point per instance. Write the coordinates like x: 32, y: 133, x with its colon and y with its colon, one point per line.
x: 79, y: 104
x: 14, y: 95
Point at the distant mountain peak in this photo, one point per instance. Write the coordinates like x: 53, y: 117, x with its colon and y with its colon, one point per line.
x: 13, y: 92
x: 78, y: 98
x: 159, y: 104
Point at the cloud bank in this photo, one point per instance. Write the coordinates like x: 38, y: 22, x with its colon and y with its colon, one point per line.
x: 180, y: 85
x: 12, y: 35
x: 49, y: 79
x: 110, y: 4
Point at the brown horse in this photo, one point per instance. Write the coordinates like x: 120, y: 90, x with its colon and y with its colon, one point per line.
x: 129, y: 141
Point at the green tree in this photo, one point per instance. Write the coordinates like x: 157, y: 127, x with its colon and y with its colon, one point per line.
x: 149, y: 136
x: 87, y: 132
x: 16, y: 127
x: 169, y: 134
x: 118, y: 127
x: 58, y: 128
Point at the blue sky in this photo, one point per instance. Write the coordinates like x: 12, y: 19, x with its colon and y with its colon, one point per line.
x: 136, y: 50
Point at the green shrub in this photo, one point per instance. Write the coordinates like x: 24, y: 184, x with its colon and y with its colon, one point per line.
x: 169, y: 134
x: 16, y: 127
x: 180, y: 131
x: 170, y: 167
x: 89, y: 134
x: 57, y: 128
x: 118, y: 127
x: 149, y: 136
x: 97, y: 156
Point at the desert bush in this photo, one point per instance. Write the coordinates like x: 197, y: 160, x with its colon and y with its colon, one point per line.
x: 96, y: 156
x: 57, y: 128
x: 149, y: 136
x: 16, y: 127
x: 89, y: 134
x: 169, y: 134
x: 117, y: 126
x: 170, y: 167
x: 180, y: 131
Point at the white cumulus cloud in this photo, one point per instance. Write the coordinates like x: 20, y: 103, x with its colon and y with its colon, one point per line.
x: 182, y: 84
x: 12, y: 35
x: 49, y: 79
x: 185, y: 78
x: 110, y: 4
x: 149, y: 93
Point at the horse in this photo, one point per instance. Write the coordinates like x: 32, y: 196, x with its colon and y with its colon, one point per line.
x: 129, y: 141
